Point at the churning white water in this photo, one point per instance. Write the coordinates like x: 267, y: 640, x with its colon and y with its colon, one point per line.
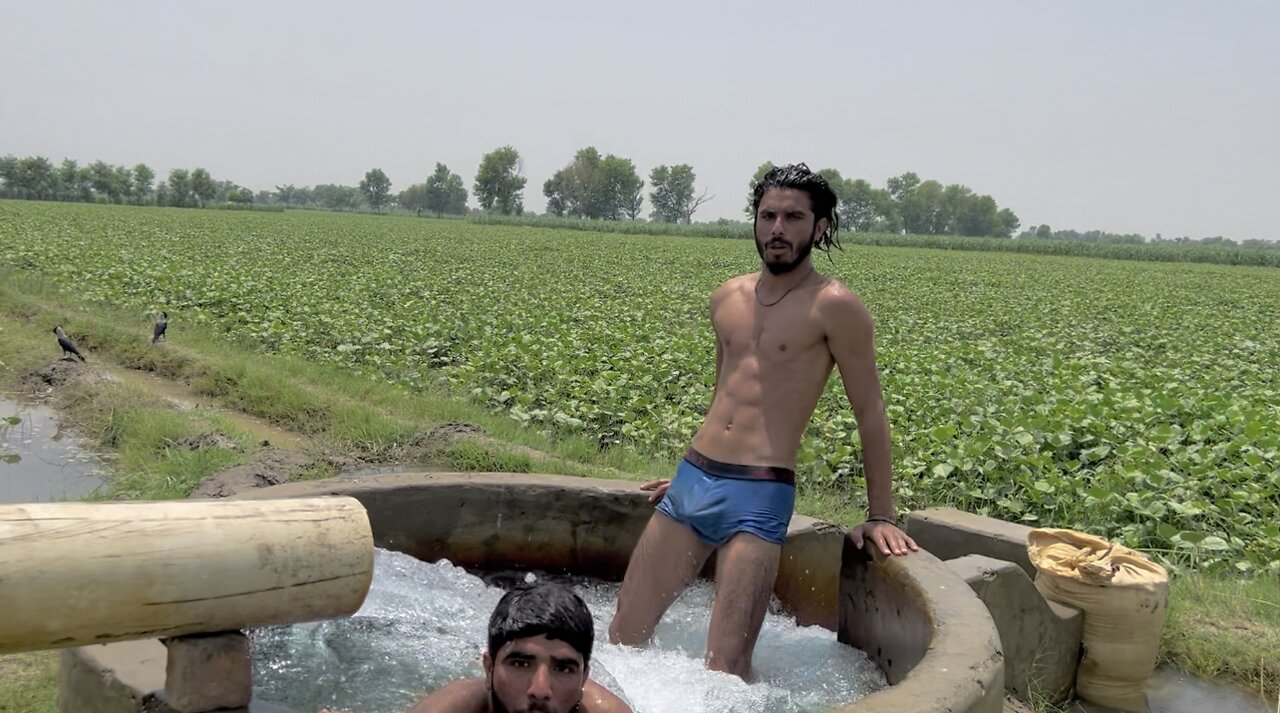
x: 424, y: 625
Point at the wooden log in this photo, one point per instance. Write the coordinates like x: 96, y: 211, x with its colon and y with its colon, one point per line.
x: 90, y: 573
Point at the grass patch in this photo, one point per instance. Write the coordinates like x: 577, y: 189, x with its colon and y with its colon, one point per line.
x: 1226, y: 627
x: 352, y: 412
x: 147, y: 436
x: 28, y: 682
x: 315, y: 471
x: 478, y: 457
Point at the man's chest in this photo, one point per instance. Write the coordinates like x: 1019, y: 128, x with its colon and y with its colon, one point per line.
x: 768, y: 332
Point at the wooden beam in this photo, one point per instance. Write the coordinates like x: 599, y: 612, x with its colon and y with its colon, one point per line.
x: 90, y: 573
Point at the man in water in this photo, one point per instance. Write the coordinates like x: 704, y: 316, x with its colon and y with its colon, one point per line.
x: 538, y: 660
x: 779, y: 333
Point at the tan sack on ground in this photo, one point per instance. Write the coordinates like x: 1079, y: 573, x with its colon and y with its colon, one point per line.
x: 1124, y: 597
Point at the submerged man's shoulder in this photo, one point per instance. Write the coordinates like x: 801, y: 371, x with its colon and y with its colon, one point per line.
x: 598, y: 699
x: 465, y: 696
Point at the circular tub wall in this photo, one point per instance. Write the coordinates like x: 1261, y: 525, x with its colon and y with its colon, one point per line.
x: 921, y: 623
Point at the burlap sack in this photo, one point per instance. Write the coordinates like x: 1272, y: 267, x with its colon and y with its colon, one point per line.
x: 1124, y: 597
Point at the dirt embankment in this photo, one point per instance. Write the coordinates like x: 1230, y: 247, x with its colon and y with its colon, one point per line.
x: 274, y: 462
x: 280, y: 454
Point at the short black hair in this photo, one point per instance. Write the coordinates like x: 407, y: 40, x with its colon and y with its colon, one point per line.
x: 544, y: 608
x: 821, y: 196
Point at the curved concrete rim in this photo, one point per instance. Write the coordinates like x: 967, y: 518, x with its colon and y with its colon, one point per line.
x: 942, y: 655
x: 961, y: 669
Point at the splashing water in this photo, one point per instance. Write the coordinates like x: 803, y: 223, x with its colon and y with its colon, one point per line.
x: 424, y: 625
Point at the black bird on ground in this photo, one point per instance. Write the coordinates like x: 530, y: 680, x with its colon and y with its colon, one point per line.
x: 162, y: 323
x: 68, y: 346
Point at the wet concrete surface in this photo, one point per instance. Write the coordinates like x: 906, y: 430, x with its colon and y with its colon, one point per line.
x: 39, y: 461
x: 1172, y: 691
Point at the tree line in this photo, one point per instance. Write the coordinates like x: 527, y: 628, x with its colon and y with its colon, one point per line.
x: 590, y: 186
x: 36, y: 178
x: 909, y: 205
x: 1044, y: 232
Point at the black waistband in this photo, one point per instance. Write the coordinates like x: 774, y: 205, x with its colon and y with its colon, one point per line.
x: 743, y: 472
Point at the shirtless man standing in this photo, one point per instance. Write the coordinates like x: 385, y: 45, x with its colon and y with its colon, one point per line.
x: 779, y: 332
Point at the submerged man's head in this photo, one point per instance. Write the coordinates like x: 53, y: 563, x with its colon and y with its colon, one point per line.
x: 793, y: 212
x: 539, y: 653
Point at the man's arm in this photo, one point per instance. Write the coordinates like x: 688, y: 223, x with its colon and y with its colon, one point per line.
x: 716, y: 298
x: 465, y: 696
x: 851, y: 339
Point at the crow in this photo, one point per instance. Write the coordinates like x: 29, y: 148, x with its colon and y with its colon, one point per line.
x: 161, y: 325
x: 68, y: 346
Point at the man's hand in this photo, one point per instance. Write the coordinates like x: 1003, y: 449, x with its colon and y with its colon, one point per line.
x: 659, y: 488
x: 887, y: 537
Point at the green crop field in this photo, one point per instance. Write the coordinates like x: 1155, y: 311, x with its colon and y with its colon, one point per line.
x: 1139, y: 400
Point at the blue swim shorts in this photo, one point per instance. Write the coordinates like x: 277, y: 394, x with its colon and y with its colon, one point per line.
x: 718, y: 500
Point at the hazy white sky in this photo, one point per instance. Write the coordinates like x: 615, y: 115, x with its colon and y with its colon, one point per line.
x: 1151, y: 117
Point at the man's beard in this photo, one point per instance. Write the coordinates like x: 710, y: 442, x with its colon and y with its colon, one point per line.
x: 782, y: 268
x: 496, y: 706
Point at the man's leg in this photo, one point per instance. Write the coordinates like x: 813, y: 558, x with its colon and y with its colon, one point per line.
x: 746, y: 567
x: 667, y: 557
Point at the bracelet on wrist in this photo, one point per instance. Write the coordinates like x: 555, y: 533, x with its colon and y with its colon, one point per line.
x: 877, y: 518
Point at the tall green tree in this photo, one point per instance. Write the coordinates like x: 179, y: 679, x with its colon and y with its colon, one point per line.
x: 336, y: 197
x: 979, y: 216
x: 634, y: 205
x: 499, y: 187
x: 179, y: 185
x: 554, y: 189
x: 617, y: 184
x: 9, y: 174
x: 292, y: 195
x: 231, y: 192
x: 1009, y: 223
x: 570, y: 190
x: 203, y: 187
x: 864, y: 208
x: 956, y: 207
x: 445, y: 192
x: 142, y: 178
x: 376, y: 187
x: 923, y: 212
x: 764, y: 168
x: 39, y: 177
x: 72, y: 185
x: 124, y: 179
x: 673, y: 194
x: 105, y: 181
x: 594, y: 186
x: 900, y: 187
x: 414, y: 198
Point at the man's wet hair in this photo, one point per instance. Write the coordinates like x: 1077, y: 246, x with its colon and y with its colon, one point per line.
x: 821, y: 196
x: 546, y: 609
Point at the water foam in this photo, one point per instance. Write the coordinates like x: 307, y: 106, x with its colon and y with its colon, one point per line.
x: 424, y: 625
